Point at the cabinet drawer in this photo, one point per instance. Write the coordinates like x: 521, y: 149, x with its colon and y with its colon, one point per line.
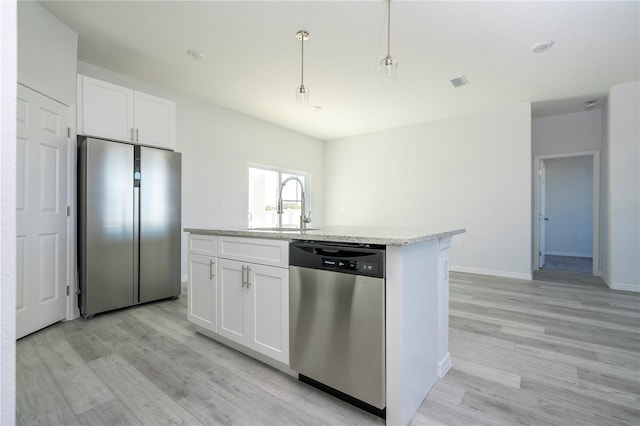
x: 206, y: 245
x: 264, y: 252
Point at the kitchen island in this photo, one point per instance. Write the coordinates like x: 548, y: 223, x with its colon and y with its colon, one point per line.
x: 416, y: 300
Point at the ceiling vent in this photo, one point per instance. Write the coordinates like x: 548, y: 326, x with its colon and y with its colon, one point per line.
x: 460, y: 81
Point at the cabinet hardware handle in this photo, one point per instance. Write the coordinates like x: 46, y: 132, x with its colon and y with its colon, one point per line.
x: 243, y: 269
x: 137, y: 139
x: 132, y: 138
x: 248, y: 272
x: 211, y: 274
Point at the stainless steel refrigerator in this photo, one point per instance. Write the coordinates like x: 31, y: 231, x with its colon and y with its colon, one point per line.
x: 129, y: 223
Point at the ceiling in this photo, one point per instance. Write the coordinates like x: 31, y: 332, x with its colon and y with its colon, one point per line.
x: 252, y: 62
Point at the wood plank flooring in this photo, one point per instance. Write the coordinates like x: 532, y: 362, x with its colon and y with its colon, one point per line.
x: 561, y: 349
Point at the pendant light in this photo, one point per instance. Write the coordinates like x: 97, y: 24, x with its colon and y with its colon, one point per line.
x: 302, y: 93
x: 388, y: 65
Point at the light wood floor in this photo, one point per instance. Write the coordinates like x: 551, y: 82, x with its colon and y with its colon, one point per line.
x: 562, y: 349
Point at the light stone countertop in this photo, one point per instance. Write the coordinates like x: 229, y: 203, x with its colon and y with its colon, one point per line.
x: 389, y: 236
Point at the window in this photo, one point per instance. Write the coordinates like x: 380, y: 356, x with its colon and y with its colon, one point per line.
x: 264, y: 187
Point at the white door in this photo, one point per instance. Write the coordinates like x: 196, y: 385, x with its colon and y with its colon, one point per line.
x: 107, y: 110
x: 542, y: 215
x: 154, y: 120
x: 202, y: 291
x: 41, y: 201
x: 232, y: 295
x: 269, y: 311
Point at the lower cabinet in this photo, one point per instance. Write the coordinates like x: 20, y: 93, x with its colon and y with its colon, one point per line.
x: 203, y: 291
x: 253, y: 306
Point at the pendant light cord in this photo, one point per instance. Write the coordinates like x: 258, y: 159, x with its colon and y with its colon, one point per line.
x: 389, y: 29
x: 302, y: 63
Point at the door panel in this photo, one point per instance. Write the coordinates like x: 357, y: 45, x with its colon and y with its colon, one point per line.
x: 231, y: 301
x: 41, y: 219
x: 155, y: 120
x: 106, y: 225
x: 160, y: 223
x: 107, y: 110
x: 48, y: 265
x: 202, y: 293
x: 20, y: 273
x: 269, y: 300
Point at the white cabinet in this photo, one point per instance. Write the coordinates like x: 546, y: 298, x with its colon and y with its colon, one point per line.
x: 268, y: 302
x: 203, y: 289
x: 239, y: 289
x: 110, y: 111
x: 253, y: 307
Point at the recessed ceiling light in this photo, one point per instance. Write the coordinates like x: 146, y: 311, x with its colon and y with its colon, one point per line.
x: 542, y: 46
x: 316, y: 108
x: 459, y: 81
x: 196, y: 54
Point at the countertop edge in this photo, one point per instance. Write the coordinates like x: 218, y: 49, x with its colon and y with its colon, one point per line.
x: 320, y: 236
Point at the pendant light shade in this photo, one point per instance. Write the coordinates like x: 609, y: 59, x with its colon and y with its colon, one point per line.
x: 388, y: 65
x: 302, y: 92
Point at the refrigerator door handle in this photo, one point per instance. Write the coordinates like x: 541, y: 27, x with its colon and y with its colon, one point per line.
x: 136, y: 245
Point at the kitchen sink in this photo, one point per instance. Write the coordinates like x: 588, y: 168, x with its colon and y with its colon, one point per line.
x: 283, y: 229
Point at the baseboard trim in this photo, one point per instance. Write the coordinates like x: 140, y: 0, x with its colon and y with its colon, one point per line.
x: 444, y: 365
x: 619, y: 286
x: 624, y: 287
x: 492, y: 272
x: 570, y: 254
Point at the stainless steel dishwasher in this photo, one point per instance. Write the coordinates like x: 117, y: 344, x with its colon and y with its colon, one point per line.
x: 337, y: 320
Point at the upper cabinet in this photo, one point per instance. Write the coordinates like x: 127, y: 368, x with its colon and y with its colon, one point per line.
x: 110, y: 111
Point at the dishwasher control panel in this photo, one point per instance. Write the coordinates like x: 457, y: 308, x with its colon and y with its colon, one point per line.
x: 350, y: 265
x: 350, y: 259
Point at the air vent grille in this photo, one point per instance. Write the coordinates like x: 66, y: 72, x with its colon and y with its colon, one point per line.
x: 460, y: 81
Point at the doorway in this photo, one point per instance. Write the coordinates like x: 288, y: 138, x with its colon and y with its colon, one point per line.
x: 567, y: 212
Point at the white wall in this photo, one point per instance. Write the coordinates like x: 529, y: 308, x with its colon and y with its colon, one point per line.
x: 8, y: 60
x: 47, y: 62
x: 569, y: 206
x: 567, y: 133
x: 621, y: 189
x: 469, y: 172
x: 47, y: 53
x: 217, y: 145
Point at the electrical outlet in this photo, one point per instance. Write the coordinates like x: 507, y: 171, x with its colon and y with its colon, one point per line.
x: 459, y: 246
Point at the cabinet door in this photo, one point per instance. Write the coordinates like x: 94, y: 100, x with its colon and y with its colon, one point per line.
x: 107, y: 110
x: 202, y: 291
x: 232, y: 314
x: 154, y: 121
x: 269, y: 311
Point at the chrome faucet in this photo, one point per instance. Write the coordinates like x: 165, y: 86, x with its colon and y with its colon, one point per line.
x: 304, y: 219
